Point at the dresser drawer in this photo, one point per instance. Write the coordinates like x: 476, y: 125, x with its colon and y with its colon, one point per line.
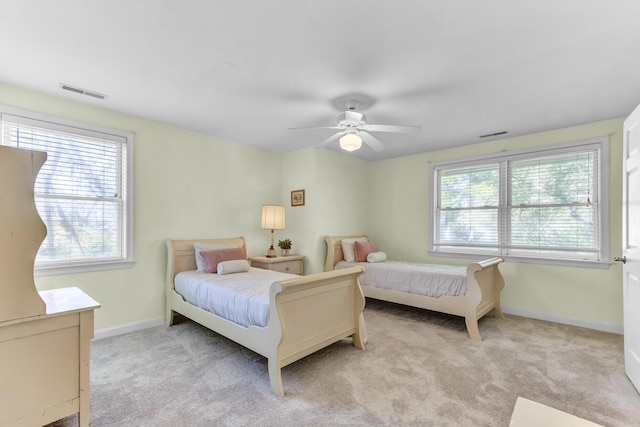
x: 293, y: 267
x: 292, y: 264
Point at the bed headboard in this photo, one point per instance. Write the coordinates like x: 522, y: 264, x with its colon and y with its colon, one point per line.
x: 334, y: 250
x: 181, y: 255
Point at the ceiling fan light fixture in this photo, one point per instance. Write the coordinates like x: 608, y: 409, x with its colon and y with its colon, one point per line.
x: 350, y: 142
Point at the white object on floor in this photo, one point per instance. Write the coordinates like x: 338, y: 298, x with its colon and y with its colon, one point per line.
x: 528, y: 413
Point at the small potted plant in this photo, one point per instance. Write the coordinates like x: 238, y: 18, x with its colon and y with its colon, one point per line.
x: 285, y: 245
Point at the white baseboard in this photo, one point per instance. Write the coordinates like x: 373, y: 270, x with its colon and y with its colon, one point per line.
x: 606, y: 327
x: 130, y: 327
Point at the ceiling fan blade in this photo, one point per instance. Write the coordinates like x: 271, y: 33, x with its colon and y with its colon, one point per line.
x: 330, y: 139
x: 318, y: 127
x: 353, y: 116
x: 392, y: 128
x: 371, y: 141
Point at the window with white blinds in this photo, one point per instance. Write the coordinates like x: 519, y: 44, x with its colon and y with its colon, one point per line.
x: 82, y: 192
x: 545, y: 204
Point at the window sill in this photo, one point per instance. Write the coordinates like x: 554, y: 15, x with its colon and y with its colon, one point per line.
x: 529, y: 260
x: 82, y: 268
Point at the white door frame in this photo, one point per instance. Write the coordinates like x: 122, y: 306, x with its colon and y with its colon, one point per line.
x: 631, y: 245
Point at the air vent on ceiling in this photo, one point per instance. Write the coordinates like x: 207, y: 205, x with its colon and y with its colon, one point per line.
x: 83, y: 91
x: 493, y: 134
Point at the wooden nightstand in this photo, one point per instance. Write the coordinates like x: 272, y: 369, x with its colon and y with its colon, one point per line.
x: 293, y: 264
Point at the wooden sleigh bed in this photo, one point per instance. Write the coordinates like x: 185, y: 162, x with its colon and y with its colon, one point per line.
x: 306, y: 313
x: 483, y: 280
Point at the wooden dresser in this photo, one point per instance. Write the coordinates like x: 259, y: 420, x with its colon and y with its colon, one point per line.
x: 44, y: 336
x: 45, y: 361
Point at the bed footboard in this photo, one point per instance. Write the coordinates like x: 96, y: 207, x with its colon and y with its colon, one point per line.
x: 313, y: 312
x: 484, y: 284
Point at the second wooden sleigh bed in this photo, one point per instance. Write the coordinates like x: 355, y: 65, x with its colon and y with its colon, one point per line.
x: 484, y: 284
x: 306, y: 313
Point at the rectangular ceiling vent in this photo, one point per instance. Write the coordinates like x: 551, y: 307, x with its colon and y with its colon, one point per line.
x: 493, y: 134
x: 83, y: 91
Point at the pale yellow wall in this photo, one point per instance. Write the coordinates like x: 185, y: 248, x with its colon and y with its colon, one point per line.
x: 187, y: 185
x: 336, y: 190
x: 399, y: 223
x: 299, y: 173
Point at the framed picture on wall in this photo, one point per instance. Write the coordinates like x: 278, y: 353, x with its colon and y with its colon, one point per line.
x: 297, y: 198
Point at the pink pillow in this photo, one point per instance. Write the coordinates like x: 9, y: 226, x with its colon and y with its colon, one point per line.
x: 363, y: 249
x: 212, y: 258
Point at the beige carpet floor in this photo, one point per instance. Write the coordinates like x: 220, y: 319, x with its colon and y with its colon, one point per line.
x: 419, y: 369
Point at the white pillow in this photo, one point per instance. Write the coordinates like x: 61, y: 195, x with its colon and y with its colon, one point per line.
x: 199, y: 247
x: 233, y: 266
x: 376, y: 257
x: 348, y: 251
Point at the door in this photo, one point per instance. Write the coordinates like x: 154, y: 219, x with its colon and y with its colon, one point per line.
x: 631, y: 245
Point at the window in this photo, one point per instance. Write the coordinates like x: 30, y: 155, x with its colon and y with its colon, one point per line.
x: 83, y: 191
x: 544, y: 204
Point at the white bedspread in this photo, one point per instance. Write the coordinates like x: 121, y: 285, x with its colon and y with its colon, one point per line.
x: 242, y: 298
x: 432, y: 280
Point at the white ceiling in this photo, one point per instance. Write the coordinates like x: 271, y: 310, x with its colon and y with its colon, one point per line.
x: 248, y: 70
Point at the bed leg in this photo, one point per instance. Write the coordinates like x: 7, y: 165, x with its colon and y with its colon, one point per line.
x: 497, y: 311
x: 360, y: 337
x: 472, y: 328
x: 275, y: 376
x: 168, y: 318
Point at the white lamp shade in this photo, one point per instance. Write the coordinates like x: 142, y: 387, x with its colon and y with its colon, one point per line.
x: 350, y: 142
x: 273, y: 217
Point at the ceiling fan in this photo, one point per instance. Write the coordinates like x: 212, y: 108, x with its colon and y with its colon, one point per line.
x: 353, y: 130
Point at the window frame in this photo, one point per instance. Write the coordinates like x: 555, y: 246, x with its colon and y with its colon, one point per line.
x: 599, y: 143
x: 86, y: 129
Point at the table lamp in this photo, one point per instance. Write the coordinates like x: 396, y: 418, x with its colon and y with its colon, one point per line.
x: 272, y: 219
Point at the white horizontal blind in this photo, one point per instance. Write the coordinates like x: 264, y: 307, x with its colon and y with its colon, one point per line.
x: 541, y: 204
x: 80, y: 191
x: 468, y: 203
x: 555, y: 208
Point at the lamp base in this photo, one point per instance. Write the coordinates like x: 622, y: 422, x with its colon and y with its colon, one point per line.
x: 271, y: 253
